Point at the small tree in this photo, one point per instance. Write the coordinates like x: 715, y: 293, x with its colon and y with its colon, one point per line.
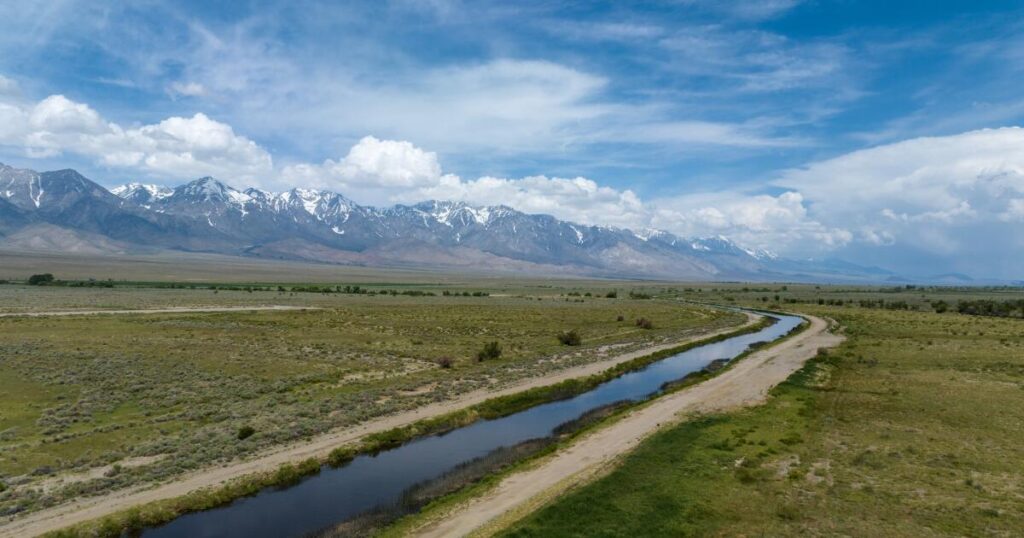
x: 570, y: 338
x: 40, y: 279
x: 491, y: 350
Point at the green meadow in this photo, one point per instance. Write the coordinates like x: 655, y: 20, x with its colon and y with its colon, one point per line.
x: 913, y: 427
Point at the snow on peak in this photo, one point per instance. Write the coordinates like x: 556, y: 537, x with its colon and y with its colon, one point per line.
x: 322, y: 205
x: 721, y: 243
x: 208, y: 188
x: 309, y: 199
x: 645, y: 234
x: 450, y: 213
x: 155, y: 192
x: 761, y: 254
x: 579, y: 234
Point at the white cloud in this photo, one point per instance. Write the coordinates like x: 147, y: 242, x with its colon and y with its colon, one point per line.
x: 778, y: 223
x: 507, y: 106
x: 1014, y: 211
x: 175, y: 147
x: 939, y: 195
x: 952, y: 179
x: 374, y: 170
x: 57, y: 113
x: 384, y: 171
x: 956, y: 197
x: 187, y: 89
x: 504, y: 105
x: 756, y: 61
x: 8, y: 87
x: 934, y: 195
x: 576, y: 199
x: 387, y: 171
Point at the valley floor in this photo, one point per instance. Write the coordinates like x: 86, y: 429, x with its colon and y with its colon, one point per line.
x: 690, y: 325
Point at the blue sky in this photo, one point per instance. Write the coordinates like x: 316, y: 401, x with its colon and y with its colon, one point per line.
x: 879, y: 132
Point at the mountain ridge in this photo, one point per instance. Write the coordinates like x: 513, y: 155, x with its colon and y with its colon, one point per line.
x: 208, y: 215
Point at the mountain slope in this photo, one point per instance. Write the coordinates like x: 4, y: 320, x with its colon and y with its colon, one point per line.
x: 67, y: 199
x: 65, y: 210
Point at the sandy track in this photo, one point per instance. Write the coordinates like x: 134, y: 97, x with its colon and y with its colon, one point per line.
x: 64, y: 515
x: 170, y: 310
x: 747, y: 383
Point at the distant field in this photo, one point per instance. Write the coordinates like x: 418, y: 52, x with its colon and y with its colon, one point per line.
x: 912, y: 428
x: 190, y: 266
x: 162, y: 393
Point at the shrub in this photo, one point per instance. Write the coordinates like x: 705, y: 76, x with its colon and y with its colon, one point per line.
x: 445, y: 362
x: 645, y: 323
x: 620, y: 318
x: 612, y: 294
x: 40, y: 279
x: 491, y: 350
x: 570, y: 338
x: 245, y: 432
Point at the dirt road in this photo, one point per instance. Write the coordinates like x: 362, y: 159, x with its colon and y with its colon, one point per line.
x: 92, y: 508
x: 171, y: 310
x: 747, y: 383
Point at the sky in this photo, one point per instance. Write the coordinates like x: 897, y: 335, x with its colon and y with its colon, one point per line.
x: 882, y: 133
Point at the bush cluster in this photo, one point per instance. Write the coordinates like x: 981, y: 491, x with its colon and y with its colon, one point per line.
x: 491, y: 350
x: 570, y: 338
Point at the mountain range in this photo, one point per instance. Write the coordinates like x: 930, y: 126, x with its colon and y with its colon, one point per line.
x: 63, y: 210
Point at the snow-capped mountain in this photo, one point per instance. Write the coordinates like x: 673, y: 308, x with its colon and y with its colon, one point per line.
x: 142, y: 194
x: 209, y: 215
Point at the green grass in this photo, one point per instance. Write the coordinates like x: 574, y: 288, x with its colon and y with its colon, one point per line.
x: 910, y: 428
x: 159, y: 512
x: 81, y: 392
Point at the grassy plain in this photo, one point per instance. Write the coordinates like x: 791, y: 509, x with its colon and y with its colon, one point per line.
x: 913, y: 427
x: 146, y: 397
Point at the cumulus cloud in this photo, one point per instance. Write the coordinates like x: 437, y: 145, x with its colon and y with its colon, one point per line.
x: 777, y: 223
x: 388, y: 171
x: 957, y: 196
x: 372, y: 164
x: 951, y: 181
x: 176, y: 146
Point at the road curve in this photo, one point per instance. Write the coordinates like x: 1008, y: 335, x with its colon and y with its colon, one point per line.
x: 86, y: 509
x: 746, y: 383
